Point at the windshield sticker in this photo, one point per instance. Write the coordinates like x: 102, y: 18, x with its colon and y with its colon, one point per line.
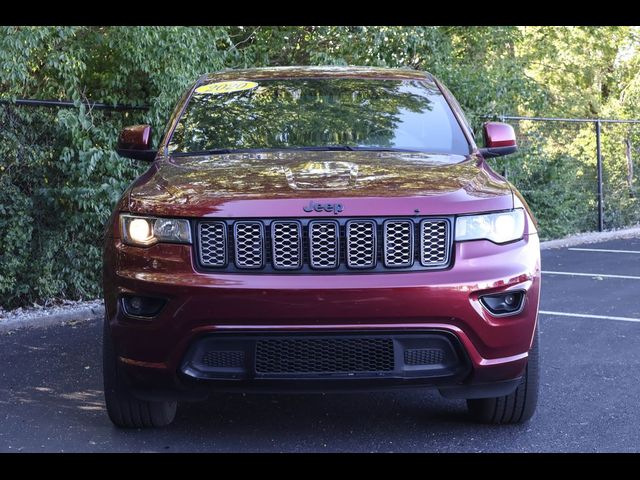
x: 226, y: 87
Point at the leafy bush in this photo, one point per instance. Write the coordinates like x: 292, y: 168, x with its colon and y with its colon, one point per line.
x: 60, y: 176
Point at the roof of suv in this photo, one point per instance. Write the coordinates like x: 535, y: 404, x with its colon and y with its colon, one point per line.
x: 318, y: 72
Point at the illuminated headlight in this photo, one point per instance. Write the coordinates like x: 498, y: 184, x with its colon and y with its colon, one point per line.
x: 145, y: 231
x: 498, y: 227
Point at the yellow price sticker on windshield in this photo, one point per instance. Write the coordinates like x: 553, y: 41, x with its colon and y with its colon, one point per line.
x: 226, y: 87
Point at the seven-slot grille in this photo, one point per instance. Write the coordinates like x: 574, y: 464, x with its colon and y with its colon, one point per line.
x: 325, y: 245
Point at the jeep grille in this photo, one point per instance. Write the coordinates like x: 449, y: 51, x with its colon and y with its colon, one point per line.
x: 324, y: 245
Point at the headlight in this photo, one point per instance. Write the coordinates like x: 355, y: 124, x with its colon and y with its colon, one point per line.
x: 498, y: 227
x: 145, y: 231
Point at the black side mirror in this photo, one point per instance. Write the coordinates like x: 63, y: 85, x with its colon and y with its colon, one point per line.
x: 135, y: 142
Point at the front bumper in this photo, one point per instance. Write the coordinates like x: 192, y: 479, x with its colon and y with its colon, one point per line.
x: 492, y: 350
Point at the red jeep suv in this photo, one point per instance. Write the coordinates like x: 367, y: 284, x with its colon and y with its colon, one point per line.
x: 319, y: 229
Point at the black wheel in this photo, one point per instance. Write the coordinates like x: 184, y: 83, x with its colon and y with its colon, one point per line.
x: 517, y: 407
x: 124, y: 409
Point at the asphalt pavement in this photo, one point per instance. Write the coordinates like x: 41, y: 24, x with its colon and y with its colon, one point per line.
x: 51, y: 387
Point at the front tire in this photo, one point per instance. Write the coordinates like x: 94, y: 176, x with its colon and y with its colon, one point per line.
x: 517, y: 407
x: 125, y: 410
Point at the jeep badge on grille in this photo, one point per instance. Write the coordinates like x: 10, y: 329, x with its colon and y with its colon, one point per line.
x: 336, y: 208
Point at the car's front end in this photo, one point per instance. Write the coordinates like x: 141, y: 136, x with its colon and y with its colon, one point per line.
x: 321, y: 269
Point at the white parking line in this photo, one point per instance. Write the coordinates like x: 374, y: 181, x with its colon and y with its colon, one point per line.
x: 603, y: 250
x: 584, y: 315
x: 579, y: 274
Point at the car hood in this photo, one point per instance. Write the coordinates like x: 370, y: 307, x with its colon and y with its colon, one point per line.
x: 280, y: 184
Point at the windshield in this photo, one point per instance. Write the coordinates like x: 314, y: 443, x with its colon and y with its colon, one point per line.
x: 317, y: 114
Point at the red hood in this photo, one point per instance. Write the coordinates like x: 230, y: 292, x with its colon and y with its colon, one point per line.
x: 279, y: 184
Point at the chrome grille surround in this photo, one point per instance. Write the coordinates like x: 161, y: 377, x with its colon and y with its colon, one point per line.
x: 324, y: 244
x: 286, y: 244
x: 361, y: 243
x: 398, y: 243
x: 249, y: 244
x: 434, y: 242
x: 213, y: 244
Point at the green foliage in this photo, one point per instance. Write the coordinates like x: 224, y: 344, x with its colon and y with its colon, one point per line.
x: 60, y: 178
x: 479, y: 64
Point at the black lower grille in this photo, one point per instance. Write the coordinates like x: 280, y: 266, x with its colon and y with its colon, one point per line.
x: 324, y: 355
x: 259, y: 358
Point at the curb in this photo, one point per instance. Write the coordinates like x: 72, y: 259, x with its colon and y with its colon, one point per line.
x: 40, y: 320
x: 591, y: 237
x: 87, y: 313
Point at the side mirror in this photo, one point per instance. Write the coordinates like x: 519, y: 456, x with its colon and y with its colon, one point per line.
x: 135, y: 142
x: 499, y: 140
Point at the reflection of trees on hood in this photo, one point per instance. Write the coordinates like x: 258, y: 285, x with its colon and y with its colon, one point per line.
x: 302, y: 113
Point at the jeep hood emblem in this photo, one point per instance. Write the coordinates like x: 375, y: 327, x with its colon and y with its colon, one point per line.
x: 313, y: 206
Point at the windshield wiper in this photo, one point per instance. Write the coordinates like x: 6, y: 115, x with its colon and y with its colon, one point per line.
x: 222, y: 151
x: 351, y: 148
x: 215, y: 151
x: 323, y: 148
x: 326, y: 148
x: 386, y: 149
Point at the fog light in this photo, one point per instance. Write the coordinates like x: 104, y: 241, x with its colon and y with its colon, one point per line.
x: 137, y: 306
x: 508, y: 303
x: 510, y: 300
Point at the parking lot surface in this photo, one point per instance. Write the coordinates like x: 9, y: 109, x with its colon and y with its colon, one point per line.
x: 51, y: 387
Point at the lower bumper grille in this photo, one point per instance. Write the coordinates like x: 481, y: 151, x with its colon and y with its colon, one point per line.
x: 296, y: 356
